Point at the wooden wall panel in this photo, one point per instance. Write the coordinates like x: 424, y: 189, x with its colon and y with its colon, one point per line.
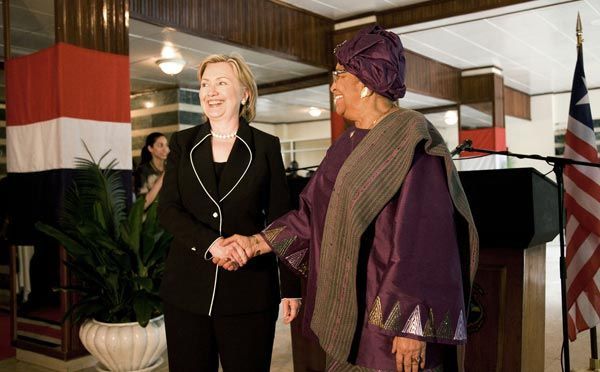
x: 93, y: 24
x: 432, y: 78
x: 478, y: 88
x: 481, y: 90
x: 498, y: 101
x: 294, y: 84
x: 260, y: 24
x: 517, y: 103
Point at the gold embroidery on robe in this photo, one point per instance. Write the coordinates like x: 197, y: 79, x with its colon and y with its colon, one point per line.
x: 376, y: 314
x: 282, y: 246
x: 296, y: 259
x: 303, y: 268
x: 429, y: 330
x: 272, y: 234
x: 444, y: 331
x: 393, y: 320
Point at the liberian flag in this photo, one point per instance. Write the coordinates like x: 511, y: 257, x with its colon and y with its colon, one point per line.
x: 582, y: 204
x: 57, y: 99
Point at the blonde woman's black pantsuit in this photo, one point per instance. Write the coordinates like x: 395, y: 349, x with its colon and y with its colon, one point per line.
x: 220, y: 307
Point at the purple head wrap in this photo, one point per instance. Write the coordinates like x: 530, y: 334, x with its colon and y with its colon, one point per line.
x: 376, y: 57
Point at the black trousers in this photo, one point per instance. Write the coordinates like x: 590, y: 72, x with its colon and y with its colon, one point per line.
x: 242, y: 342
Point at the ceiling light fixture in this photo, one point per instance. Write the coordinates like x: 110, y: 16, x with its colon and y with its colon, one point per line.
x: 171, y: 66
x: 314, y: 112
x: 451, y: 117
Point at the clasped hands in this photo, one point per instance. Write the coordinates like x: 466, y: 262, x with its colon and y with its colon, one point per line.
x: 234, y: 252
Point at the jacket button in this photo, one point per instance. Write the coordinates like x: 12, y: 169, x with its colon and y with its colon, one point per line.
x: 215, y: 215
x: 193, y: 249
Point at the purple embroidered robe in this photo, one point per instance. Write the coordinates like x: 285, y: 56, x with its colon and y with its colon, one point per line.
x: 409, y: 276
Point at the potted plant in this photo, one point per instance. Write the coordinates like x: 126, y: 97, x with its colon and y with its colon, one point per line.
x: 117, y: 258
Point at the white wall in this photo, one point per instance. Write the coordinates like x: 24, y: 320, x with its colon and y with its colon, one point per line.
x: 561, y: 107
x: 310, y: 130
x: 532, y: 137
x: 312, y: 136
x: 549, y: 112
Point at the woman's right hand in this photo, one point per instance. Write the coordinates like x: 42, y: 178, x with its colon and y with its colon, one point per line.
x: 253, y: 246
x: 228, y: 255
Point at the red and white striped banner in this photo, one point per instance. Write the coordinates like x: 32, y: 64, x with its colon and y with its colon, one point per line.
x: 59, y: 98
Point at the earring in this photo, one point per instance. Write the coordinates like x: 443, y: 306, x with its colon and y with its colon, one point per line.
x: 364, y: 92
x: 243, y: 102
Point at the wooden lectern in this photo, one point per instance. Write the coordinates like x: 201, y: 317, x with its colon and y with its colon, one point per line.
x: 516, y: 213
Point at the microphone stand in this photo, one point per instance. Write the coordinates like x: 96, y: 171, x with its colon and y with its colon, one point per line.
x: 558, y: 164
x: 288, y: 170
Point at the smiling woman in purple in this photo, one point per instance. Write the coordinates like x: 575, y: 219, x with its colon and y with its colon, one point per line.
x: 384, y: 233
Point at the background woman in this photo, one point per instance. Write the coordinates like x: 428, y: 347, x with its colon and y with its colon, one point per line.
x: 149, y: 174
x: 222, y: 176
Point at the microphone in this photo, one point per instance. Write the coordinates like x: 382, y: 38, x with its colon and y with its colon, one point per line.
x: 466, y: 145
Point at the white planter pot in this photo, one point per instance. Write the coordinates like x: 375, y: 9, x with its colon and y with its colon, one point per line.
x: 125, y: 346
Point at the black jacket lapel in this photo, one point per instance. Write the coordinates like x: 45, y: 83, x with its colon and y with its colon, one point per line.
x: 202, y: 160
x: 238, y: 161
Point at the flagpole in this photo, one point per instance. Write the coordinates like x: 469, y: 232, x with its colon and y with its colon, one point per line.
x: 558, y: 171
x: 594, y: 361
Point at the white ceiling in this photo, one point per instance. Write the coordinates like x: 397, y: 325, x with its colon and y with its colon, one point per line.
x: 534, y: 48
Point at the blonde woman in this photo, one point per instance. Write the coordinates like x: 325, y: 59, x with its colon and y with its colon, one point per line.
x: 222, y: 177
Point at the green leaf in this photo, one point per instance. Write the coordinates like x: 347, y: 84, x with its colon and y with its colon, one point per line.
x: 149, y: 233
x: 71, y: 245
x: 142, y: 306
x: 144, y: 283
x: 160, y: 249
x: 76, y: 289
x: 134, y: 225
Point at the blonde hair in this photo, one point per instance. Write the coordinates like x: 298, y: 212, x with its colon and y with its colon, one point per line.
x: 245, y: 77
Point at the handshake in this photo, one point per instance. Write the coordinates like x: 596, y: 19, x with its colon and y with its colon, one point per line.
x: 234, y: 252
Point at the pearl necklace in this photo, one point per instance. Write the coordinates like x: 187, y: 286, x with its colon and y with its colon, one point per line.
x: 223, y: 135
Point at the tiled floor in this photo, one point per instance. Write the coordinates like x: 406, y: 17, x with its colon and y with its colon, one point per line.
x: 282, y: 351
x: 281, y: 360
x: 580, y: 349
